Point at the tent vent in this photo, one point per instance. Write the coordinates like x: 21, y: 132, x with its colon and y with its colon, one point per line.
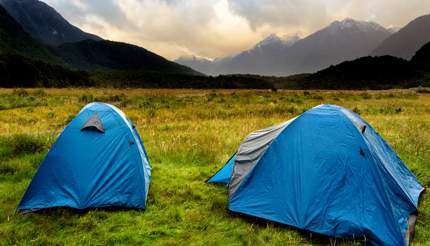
x: 94, y: 123
x: 363, y: 129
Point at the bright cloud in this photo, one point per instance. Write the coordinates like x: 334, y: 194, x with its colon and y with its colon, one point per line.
x: 215, y: 28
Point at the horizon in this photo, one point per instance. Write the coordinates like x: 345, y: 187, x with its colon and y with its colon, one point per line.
x: 218, y: 28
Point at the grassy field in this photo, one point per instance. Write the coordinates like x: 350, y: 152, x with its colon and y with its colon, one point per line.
x: 188, y: 134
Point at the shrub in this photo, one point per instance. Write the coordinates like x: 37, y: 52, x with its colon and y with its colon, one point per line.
x: 39, y: 92
x: 356, y: 110
x: 110, y: 98
x: 20, y: 92
x: 318, y: 97
x: 212, y: 96
x: 20, y: 144
x: 6, y: 168
x: 124, y: 102
x: 86, y: 98
x: 20, y: 99
x: 423, y: 91
x: 366, y: 95
x: 390, y: 109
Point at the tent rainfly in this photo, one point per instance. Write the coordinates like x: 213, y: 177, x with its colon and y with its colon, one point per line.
x: 97, y: 161
x: 325, y: 171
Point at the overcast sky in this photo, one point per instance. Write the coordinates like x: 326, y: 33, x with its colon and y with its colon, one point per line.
x: 215, y: 28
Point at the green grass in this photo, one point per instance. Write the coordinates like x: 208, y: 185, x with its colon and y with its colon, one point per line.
x: 188, y: 134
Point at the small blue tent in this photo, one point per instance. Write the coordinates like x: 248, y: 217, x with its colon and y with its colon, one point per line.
x: 325, y: 171
x: 97, y: 161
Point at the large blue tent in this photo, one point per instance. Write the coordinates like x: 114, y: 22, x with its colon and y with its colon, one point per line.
x: 97, y: 161
x: 325, y: 171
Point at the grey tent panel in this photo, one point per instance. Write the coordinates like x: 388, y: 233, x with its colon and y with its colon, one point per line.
x: 411, y: 229
x: 94, y: 123
x: 250, y: 152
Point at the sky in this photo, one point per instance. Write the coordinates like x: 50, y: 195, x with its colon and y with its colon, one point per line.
x: 216, y: 28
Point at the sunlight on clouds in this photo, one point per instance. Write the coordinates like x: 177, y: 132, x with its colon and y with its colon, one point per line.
x: 204, y: 28
x: 215, y: 28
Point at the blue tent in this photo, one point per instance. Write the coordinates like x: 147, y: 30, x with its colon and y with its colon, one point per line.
x: 325, y: 171
x: 97, y: 161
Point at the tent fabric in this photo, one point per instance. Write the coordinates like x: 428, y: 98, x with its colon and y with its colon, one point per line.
x: 250, y: 152
x: 324, y: 174
x: 224, y: 174
x: 90, y: 169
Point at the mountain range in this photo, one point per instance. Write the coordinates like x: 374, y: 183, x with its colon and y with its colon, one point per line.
x: 38, y: 47
x: 340, y: 41
x: 33, y: 29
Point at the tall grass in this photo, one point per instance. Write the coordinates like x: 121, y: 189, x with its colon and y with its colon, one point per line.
x: 188, y: 134
x: 19, y: 144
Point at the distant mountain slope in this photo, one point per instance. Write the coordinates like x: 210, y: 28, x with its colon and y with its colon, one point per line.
x: 197, y: 63
x: 93, y: 55
x: 265, y: 58
x: 407, y: 40
x: 341, y: 40
x: 260, y: 59
x: 44, y: 23
x: 13, y: 39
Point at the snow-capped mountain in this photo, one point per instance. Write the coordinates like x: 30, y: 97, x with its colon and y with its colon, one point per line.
x: 349, y: 23
x: 341, y: 40
x: 200, y: 64
x: 252, y: 61
x: 274, y: 39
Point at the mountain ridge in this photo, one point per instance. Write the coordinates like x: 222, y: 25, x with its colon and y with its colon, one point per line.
x: 93, y: 55
x: 44, y: 23
x: 406, y: 41
x: 13, y: 39
x: 339, y: 41
x: 22, y: 55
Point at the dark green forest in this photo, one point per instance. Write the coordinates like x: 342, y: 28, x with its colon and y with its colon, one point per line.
x: 383, y: 72
x: 365, y: 73
x: 19, y: 71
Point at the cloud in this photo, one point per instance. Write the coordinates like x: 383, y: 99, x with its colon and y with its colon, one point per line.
x: 168, y: 27
x: 289, y: 14
x: 309, y: 15
x: 81, y: 11
x: 215, y: 28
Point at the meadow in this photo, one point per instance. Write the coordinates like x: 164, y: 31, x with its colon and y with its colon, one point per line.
x: 188, y: 134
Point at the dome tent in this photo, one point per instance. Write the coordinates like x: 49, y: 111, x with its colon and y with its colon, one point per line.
x: 97, y: 161
x: 325, y: 171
